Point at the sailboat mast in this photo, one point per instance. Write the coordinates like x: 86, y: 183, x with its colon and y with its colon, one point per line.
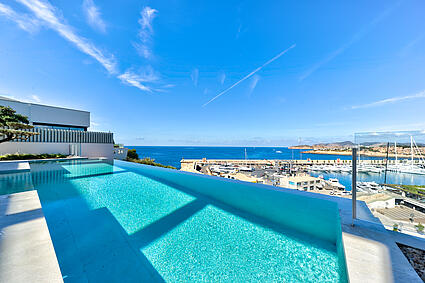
x: 246, y: 158
x: 395, y: 150
x: 411, y: 149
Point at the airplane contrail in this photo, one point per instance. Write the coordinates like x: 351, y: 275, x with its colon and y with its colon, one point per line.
x: 249, y: 75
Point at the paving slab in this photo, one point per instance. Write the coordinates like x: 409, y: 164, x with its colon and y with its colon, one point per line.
x: 26, y: 250
x: 371, y: 251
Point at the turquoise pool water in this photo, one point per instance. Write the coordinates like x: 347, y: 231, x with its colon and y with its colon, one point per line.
x: 113, y: 223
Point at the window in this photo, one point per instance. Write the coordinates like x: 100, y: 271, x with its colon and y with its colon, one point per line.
x: 58, y: 127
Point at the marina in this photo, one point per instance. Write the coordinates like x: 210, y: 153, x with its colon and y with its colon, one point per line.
x: 334, y: 175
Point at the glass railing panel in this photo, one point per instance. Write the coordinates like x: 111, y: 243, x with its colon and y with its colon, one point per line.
x: 391, y: 178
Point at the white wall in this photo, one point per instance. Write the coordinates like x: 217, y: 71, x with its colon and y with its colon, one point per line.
x: 49, y: 114
x: 87, y: 149
x: 97, y: 150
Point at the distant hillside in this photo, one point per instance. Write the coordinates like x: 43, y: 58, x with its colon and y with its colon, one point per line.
x: 344, y: 144
x: 336, y: 144
x: 304, y: 146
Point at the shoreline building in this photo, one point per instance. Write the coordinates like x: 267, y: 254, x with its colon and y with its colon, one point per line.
x: 61, y: 130
x: 303, y: 182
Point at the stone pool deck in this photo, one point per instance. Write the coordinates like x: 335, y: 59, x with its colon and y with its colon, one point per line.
x: 26, y: 249
x: 371, y: 252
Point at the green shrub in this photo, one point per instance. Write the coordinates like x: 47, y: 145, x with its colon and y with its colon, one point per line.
x: 413, y: 189
x: 150, y: 161
x: 420, y: 227
x: 395, y: 227
x: 132, y: 154
x: 31, y: 156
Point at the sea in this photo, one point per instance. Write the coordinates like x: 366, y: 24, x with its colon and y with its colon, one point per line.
x: 172, y: 155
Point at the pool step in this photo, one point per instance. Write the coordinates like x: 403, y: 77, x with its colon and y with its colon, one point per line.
x: 14, y: 167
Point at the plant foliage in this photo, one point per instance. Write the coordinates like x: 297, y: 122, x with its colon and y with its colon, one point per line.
x: 132, y: 154
x: 13, y: 126
x: 148, y: 161
x: 30, y: 156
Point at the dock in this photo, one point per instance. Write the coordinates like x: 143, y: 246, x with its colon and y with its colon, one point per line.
x: 190, y: 164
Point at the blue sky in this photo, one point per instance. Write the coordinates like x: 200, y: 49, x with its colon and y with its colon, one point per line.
x: 282, y: 72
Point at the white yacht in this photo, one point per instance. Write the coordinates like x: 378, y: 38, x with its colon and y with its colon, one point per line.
x: 245, y: 169
x: 336, y: 184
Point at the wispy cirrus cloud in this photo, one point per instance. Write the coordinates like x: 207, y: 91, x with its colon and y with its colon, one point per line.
x: 221, y: 77
x: 194, y: 75
x: 93, y: 16
x: 48, y: 16
x: 355, y: 38
x: 138, y: 79
x: 24, y: 21
x: 408, y: 47
x: 253, y: 83
x: 250, y: 74
x: 391, y: 100
x: 133, y: 79
x: 144, y: 47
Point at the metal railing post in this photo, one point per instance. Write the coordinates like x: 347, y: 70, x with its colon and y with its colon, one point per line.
x: 354, y: 182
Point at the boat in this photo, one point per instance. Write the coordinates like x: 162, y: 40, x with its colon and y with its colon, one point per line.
x: 368, y: 187
x: 336, y: 184
x: 245, y: 169
x: 407, y: 168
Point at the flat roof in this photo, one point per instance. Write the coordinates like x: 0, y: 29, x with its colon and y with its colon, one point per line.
x: 39, y: 104
x: 50, y: 115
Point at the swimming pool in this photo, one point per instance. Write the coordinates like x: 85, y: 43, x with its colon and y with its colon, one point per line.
x: 120, y: 221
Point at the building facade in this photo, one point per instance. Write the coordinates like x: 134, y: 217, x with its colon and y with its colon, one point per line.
x: 302, y: 182
x: 60, y: 130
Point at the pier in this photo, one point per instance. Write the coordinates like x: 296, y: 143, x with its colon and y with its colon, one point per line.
x: 191, y: 164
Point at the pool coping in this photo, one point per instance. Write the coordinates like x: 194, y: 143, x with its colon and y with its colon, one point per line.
x: 26, y: 251
x: 46, y: 159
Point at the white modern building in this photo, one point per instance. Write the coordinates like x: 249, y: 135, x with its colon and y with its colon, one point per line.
x: 303, y: 182
x: 61, y: 130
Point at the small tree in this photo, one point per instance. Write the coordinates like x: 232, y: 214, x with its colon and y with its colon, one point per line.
x: 395, y: 227
x: 13, y: 126
x: 132, y: 154
x: 420, y: 227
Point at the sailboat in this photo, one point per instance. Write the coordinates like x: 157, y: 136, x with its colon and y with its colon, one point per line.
x: 396, y: 166
x: 246, y: 168
x: 368, y: 168
x: 412, y: 168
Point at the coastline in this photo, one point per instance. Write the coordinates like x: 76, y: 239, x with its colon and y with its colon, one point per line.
x: 347, y: 153
x: 301, y: 147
